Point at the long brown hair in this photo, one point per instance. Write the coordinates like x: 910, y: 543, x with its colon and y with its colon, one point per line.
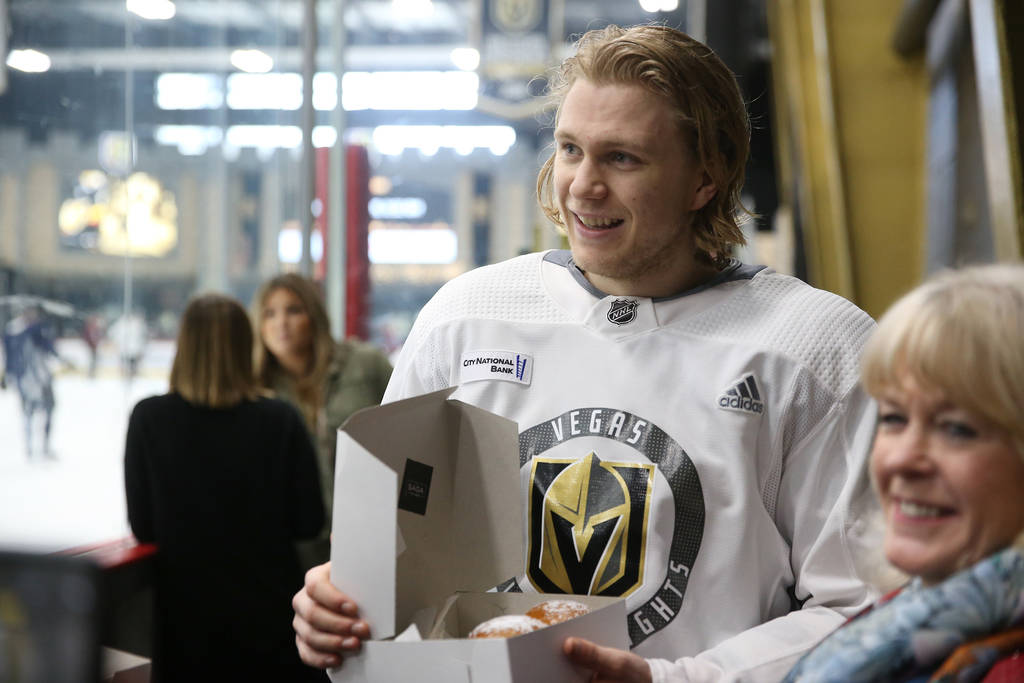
x: 213, y: 362
x: 308, y: 387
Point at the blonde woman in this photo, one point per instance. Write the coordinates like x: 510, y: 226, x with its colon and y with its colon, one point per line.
x: 298, y: 360
x: 946, y: 366
x: 224, y: 481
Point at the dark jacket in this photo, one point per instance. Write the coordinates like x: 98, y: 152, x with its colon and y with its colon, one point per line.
x: 356, y: 378
x: 224, y: 493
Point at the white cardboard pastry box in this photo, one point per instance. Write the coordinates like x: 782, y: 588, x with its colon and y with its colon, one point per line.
x: 426, y: 508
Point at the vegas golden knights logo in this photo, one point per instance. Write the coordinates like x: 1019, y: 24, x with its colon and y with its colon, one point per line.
x: 592, y: 522
x: 589, y: 518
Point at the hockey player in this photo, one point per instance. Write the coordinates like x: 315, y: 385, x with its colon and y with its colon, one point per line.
x: 706, y: 412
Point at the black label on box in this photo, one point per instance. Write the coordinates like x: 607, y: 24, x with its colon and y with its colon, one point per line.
x: 415, y: 487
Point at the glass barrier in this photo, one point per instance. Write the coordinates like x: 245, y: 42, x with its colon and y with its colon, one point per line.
x: 151, y: 150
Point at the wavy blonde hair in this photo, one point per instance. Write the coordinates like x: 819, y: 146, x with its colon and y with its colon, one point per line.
x: 962, y: 334
x: 705, y: 99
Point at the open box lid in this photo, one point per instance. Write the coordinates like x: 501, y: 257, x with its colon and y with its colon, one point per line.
x: 445, y: 474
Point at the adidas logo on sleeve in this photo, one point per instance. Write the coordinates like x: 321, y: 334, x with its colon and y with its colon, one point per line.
x: 742, y: 396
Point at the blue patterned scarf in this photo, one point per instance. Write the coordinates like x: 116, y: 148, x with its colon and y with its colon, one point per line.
x: 915, y: 631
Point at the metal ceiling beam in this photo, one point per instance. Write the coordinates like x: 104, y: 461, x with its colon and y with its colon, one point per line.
x: 358, y: 58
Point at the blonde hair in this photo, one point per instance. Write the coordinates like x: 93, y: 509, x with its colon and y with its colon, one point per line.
x: 705, y: 100
x: 308, y: 387
x: 213, y: 361
x: 962, y: 334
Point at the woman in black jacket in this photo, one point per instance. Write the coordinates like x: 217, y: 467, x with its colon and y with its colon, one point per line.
x: 224, y: 481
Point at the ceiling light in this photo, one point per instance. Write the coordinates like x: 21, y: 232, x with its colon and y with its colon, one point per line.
x: 377, y: 90
x: 269, y: 137
x: 409, y: 90
x: 156, y: 10
x: 189, y: 91
x: 324, y: 136
x: 289, y: 244
x: 252, y: 61
x: 393, y: 140
x: 30, y: 61
x: 397, y: 208
x: 466, y: 58
x: 265, y: 91
x: 659, y: 5
x: 412, y: 9
x: 412, y: 245
x: 190, y: 140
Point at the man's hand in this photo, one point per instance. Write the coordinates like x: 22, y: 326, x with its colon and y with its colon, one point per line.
x: 327, y: 625
x: 608, y: 664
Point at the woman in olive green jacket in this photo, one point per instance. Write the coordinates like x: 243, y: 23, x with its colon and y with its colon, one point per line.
x: 297, y: 359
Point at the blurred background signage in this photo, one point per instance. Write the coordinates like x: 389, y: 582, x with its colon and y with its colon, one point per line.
x: 516, y: 38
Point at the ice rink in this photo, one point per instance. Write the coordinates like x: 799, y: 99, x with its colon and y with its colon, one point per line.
x: 77, y: 497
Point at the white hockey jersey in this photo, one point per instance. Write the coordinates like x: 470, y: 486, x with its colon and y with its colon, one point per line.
x: 699, y: 454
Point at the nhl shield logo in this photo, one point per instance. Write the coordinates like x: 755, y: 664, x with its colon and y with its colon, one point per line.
x: 622, y: 311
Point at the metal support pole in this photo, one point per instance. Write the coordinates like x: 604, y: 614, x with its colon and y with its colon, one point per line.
x: 307, y: 183
x: 697, y: 19
x: 337, y: 204
x: 129, y: 130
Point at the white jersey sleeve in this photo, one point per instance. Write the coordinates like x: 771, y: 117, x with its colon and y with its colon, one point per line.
x: 827, y: 465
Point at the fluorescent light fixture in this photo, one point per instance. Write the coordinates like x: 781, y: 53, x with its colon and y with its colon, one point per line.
x: 196, y: 140
x: 325, y: 91
x: 190, y: 140
x: 466, y: 58
x: 324, y: 136
x: 189, y: 91
x: 428, y: 140
x: 659, y: 5
x: 29, y: 61
x: 289, y: 245
x: 264, y: 91
x: 271, y: 137
x: 397, y: 208
x: 156, y: 10
x: 252, y: 61
x: 412, y: 9
x: 409, y: 90
x: 377, y: 90
x: 413, y: 245
x: 394, y: 140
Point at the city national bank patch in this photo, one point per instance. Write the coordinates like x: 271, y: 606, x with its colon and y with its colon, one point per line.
x: 508, y: 366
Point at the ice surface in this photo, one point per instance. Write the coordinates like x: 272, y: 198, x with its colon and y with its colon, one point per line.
x: 77, y: 497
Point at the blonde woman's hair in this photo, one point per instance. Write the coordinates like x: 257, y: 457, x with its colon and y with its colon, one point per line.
x: 961, y: 334
x: 213, y: 361
x: 704, y: 98
x: 308, y: 387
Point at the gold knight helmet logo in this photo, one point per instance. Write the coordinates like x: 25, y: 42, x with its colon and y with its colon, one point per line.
x: 592, y: 518
x: 589, y: 520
